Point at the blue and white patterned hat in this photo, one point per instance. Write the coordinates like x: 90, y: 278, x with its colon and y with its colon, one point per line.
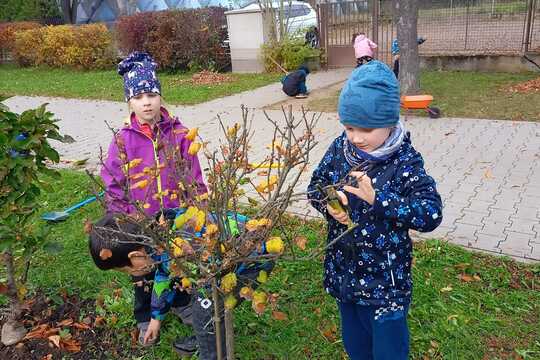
x: 139, y: 72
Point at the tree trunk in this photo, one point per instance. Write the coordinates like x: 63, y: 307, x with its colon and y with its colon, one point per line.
x: 69, y: 10
x: 229, y: 334
x: 12, y: 331
x: 407, y: 35
x: 217, y: 319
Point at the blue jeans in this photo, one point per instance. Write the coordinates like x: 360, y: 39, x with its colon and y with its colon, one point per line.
x: 302, y: 88
x: 365, y: 338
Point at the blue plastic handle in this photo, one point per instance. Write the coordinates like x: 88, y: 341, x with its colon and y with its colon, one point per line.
x: 84, y: 202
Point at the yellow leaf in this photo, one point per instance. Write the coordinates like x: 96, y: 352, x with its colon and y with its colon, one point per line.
x: 194, y: 148
x: 258, y: 307
x: 211, y: 229
x: 263, y: 277
x: 446, y: 289
x: 228, y: 282
x: 246, y: 293
x: 202, y: 197
x: 140, y: 184
x: 231, y: 131
x: 259, y: 297
x: 133, y: 163
x: 186, y: 283
x: 275, y: 245
x: 230, y: 302
x: 192, y: 134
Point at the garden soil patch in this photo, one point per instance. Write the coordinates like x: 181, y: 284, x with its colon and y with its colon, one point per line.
x: 70, y: 330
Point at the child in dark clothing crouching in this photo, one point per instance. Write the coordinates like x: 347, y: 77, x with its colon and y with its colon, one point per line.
x: 294, y: 83
x: 387, y: 192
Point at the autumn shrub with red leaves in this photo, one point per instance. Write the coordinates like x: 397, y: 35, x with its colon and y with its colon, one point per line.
x: 186, y: 39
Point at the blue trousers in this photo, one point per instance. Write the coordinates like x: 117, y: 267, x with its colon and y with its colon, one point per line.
x: 365, y: 338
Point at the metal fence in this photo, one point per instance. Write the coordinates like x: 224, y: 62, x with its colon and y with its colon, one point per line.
x: 452, y: 27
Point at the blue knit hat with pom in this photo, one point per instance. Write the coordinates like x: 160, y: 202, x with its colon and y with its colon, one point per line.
x: 370, y: 97
x: 139, y: 72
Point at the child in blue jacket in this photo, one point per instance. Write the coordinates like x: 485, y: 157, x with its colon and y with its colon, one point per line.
x: 381, y: 179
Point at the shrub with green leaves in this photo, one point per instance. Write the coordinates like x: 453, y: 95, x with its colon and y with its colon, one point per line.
x: 290, y: 53
x: 24, y: 153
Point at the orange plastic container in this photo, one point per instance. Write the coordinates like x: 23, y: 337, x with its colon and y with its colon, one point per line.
x: 416, y: 101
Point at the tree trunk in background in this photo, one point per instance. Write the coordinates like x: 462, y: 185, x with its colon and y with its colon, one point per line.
x: 69, y: 10
x: 406, y: 14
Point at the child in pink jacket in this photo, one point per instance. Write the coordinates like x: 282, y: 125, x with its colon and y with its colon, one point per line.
x: 363, y: 48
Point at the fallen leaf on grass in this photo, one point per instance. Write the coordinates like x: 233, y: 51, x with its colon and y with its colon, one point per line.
x: 469, y: 278
x: 301, y: 242
x: 278, y: 315
x: 446, y: 289
x: 330, y: 332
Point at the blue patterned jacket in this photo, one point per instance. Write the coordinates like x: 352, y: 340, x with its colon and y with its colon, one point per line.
x: 372, y: 264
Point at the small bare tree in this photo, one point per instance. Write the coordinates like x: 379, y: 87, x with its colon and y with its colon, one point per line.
x: 210, y: 241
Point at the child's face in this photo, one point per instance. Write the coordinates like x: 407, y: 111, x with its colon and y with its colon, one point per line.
x: 141, y: 263
x: 146, y: 107
x: 367, y: 139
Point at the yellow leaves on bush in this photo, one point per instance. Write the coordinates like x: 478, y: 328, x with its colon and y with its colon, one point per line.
x: 256, y: 224
x: 246, y: 293
x: 211, y: 229
x: 267, y: 185
x: 233, y: 130
x: 134, y: 163
x: 194, y: 148
x: 140, y: 184
x: 258, y: 302
x: 186, y: 283
x: 202, y: 197
x: 194, y: 216
x: 192, y: 134
x: 275, y: 245
x: 86, y: 47
x: 262, y: 277
x: 181, y: 247
x: 9, y: 29
x: 228, y: 282
x: 230, y: 302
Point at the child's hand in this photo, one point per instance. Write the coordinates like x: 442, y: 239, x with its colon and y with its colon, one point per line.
x: 364, y: 190
x: 152, y: 332
x: 340, y: 216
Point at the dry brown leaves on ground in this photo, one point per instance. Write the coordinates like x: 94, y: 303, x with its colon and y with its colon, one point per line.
x: 530, y: 86
x: 206, y: 77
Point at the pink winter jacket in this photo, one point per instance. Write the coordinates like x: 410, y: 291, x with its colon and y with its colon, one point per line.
x: 137, y: 145
x: 363, y: 46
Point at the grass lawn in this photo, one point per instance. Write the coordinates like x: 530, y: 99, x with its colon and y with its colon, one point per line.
x: 468, y: 94
x: 108, y: 85
x: 466, y: 305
